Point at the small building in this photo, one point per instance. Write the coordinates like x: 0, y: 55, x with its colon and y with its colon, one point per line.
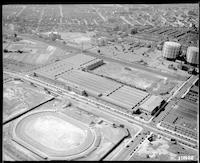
x: 151, y: 105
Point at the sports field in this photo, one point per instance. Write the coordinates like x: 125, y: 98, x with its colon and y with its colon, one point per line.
x: 53, y: 134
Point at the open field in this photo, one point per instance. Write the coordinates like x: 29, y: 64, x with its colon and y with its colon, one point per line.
x: 149, y: 82
x: 162, y: 149
x: 77, y: 37
x: 34, y: 52
x: 19, y: 97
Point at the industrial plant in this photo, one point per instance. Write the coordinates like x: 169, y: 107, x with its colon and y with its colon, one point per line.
x: 100, y: 82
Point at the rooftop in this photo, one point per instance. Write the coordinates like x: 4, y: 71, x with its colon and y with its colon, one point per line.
x: 151, y: 103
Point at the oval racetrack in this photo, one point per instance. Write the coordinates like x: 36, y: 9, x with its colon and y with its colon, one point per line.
x: 53, y: 134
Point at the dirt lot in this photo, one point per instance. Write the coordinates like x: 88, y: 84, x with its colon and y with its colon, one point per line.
x: 19, y: 97
x: 34, y: 52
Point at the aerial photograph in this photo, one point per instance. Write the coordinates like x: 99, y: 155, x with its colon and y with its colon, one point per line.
x: 100, y: 82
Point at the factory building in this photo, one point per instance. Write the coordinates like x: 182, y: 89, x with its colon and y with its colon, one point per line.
x: 171, y: 50
x: 72, y: 87
x: 192, y: 55
x: 126, y: 97
x: 151, y: 105
x: 54, y: 70
x: 92, y: 84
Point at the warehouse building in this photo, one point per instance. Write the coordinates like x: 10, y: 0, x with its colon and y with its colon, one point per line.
x: 52, y: 71
x: 126, y: 97
x: 72, y: 87
x: 92, y: 84
x: 151, y: 105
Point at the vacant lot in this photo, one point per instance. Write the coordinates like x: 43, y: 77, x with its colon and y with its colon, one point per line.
x: 19, y: 97
x: 33, y: 52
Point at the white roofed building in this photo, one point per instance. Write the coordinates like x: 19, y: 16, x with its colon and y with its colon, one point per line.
x: 151, y: 105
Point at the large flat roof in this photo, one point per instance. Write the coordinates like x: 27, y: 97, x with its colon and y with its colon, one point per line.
x: 60, y: 67
x: 90, y: 81
x: 127, y: 97
x: 151, y: 103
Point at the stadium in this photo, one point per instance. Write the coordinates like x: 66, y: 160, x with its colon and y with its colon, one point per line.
x: 54, y: 136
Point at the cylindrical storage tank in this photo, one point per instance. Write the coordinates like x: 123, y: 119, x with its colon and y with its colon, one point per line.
x: 192, y: 55
x: 171, y: 50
